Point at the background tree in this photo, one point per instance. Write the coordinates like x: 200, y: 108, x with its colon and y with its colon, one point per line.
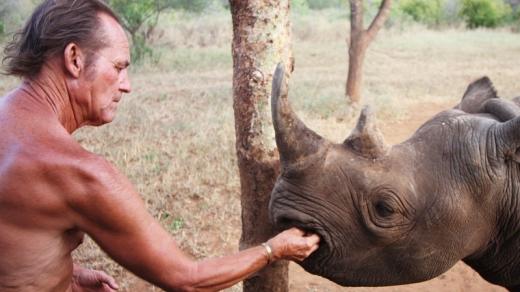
x: 12, y: 15
x: 140, y: 18
x: 261, y: 39
x: 360, y: 39
x: 135, y: 14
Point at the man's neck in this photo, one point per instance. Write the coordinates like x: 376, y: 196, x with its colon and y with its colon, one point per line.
x: 48, y: 92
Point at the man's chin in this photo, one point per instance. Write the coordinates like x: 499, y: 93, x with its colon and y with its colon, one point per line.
x: 102, y: 121
x: 107, y: 120
x: 107, y: 117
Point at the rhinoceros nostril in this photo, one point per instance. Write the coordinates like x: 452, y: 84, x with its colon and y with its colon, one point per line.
x: 284, y: 221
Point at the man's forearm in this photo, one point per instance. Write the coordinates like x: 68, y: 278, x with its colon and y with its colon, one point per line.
x: 219, y: 273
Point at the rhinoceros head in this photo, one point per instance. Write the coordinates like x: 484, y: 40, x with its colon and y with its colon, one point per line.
x: 388, y: 215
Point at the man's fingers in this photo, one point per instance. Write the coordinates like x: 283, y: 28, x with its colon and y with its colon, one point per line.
x: 313, y: 239
x: 112, y: 283
x: 103, y: 277
x: 297, y: 231
x: 108, y: 288
x: 313, y: 249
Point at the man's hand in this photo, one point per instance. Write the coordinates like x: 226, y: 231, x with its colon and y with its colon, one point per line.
x: 293, y: 244
x: 86, y: 280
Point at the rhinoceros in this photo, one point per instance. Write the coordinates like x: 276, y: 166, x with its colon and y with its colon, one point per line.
x: 391, y: 215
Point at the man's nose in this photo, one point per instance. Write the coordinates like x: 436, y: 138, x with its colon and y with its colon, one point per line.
x: 125, y: 85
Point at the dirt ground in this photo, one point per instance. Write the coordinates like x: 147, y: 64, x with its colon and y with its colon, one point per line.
x: 459, y: 278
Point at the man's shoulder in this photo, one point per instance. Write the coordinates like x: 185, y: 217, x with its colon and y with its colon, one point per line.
x: 43, y: 177
x: 51, y: 153
x: 56, y: 160
x: 66, y: 179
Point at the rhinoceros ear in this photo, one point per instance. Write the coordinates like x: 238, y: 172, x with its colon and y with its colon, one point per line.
x: 366, y: 139
x: 476, y: 95
x: 516, y: 100
x: 481, y: 97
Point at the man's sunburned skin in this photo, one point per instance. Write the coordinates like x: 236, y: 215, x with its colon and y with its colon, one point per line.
x: 36, y: 241
x: 41, y: 171
x: 52, y: 190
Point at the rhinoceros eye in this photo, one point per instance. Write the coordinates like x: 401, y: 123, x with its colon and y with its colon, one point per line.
x: 385, y: 214
x: 383, y: 209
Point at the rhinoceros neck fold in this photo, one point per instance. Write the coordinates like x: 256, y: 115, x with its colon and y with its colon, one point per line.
x: 500, y: 262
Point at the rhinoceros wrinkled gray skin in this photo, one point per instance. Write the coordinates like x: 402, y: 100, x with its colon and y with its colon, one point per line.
x: 406, y: 213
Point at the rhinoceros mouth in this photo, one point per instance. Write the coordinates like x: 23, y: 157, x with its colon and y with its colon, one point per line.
x: 309, y: 226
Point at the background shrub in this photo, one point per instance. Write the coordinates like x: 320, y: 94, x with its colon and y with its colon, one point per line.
x: 13, y: 14
x: 484, y: 13
x: 299, y: 5
x: 196, y: 6
x: 323, y: 4
x: 515, y: 20
x: 424, y: 11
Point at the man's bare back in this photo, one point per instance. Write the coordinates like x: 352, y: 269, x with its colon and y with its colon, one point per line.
x: 52, y: 190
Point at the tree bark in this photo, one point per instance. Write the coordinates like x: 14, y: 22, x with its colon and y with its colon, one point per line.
x: 360, y: 39
x: 261, y: 39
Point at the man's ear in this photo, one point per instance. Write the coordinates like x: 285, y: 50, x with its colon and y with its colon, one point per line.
x: 74, y: 59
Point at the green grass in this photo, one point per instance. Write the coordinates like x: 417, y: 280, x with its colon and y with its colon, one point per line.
x: 174, y: 135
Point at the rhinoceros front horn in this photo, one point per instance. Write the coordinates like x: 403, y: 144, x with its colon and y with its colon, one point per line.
x: 294, y: 140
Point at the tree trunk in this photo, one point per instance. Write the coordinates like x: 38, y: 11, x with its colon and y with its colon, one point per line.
x: 261, y: 39
x: 356, y: 55
x: 360, y: 39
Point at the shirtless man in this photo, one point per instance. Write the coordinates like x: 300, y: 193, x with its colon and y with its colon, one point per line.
x: 73, y: 58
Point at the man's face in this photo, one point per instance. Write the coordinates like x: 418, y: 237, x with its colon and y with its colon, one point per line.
x: 107, y: 75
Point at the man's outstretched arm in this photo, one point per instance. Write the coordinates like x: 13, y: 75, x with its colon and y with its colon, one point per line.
x: 216, y: 274
x: 107, y: 207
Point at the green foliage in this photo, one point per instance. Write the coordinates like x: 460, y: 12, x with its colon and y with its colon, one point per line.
x: 140, y: 18
x: 4, y: 10
x: 515, y: 20
x: 299, y: 5
x: 424, y: 11
x: 484, y: 13
x: 515, y: 14
x: 196, y: 6
x: 135, y: 13
x: 11, y: 16
x: 396, y: 14
x: 323, y: 4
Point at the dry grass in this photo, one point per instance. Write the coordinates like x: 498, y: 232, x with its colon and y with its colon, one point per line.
x: 174, y: 135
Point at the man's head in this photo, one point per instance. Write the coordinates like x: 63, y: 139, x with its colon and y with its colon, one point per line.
x: 85, y: 43
x: 53, y: 25
x: 97, y: 88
